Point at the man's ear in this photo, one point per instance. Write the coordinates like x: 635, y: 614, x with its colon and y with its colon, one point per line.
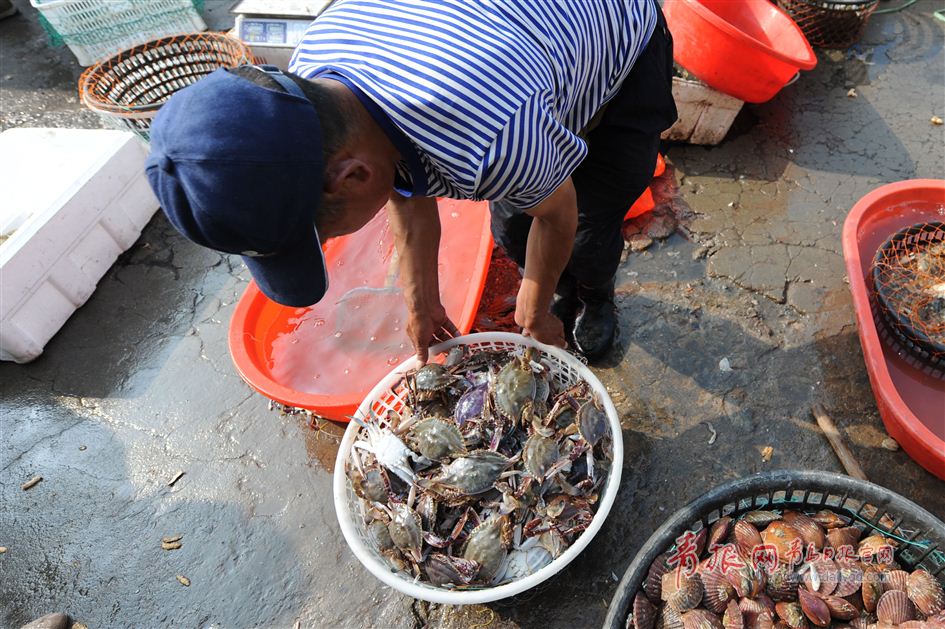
x: 343, y: 175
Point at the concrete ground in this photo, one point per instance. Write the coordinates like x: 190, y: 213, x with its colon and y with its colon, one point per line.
x: 138, y: 385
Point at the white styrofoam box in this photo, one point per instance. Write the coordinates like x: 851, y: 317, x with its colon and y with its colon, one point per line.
x: 705, y: 114
x: 77, y: 198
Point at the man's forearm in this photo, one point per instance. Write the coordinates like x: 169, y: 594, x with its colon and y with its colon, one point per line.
x: 550, y: 241
x: 416, y: 226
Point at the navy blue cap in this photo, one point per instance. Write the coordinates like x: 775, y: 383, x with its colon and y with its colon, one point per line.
x: 238, y: 167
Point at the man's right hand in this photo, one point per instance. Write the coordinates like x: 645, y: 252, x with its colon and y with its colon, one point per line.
x: 547, y: 329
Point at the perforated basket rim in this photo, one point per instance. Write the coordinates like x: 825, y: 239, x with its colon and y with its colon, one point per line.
x: 407, y: 585
x: 760, y: 491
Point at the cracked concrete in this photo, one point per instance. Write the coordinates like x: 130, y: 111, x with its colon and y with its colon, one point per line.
x: 138, y: 385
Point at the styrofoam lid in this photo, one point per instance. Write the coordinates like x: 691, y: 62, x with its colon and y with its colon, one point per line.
x: 38, y: 167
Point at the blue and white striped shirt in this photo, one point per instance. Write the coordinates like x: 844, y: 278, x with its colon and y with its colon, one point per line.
x: 491, y: 93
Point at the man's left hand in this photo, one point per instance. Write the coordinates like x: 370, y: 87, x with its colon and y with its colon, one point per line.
x: 546, y: 329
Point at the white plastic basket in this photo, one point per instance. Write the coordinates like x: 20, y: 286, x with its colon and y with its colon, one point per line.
x: 95, y: 30
x: 566, y: 370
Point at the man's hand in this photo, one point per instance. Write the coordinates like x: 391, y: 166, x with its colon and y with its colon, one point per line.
x: 547, y: 329
x: 416, y: 225
x: 550, y: 241
x: 426, y: 326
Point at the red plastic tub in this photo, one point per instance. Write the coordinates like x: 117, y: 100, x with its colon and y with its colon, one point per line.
x: 748, y: 49
x: 911, y: 399
x: 327, y: 357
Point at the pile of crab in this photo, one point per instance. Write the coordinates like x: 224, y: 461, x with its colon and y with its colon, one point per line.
x: 489, y: 471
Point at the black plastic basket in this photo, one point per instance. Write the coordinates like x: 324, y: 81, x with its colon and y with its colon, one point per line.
x: 863, y: 502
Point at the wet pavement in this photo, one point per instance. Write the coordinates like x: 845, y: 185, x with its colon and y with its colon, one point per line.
x: 138, y: 385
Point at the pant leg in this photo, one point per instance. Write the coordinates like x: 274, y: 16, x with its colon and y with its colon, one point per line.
x: 621, y: 159
x: 510, y: 229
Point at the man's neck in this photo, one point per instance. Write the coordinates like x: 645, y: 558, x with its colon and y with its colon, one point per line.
x: 369, y: 133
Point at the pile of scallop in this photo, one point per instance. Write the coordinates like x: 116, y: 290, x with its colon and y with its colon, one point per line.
x: 767, y: 570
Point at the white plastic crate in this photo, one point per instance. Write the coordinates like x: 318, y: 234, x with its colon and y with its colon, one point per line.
x: 705, y: 114
x: 95, y: 30
x: 74, y: 200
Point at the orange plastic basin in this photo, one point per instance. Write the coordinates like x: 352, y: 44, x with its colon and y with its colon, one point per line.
x: 748, y: 49
x: 910, y: 398
x: 326, y: 357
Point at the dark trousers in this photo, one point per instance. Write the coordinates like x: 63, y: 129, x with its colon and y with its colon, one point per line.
x: 619, y: 166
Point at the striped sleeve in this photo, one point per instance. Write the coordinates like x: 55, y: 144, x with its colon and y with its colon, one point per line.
x: 531, y: 156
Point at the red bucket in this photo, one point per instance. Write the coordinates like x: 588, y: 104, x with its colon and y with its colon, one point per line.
x: 748, y: 49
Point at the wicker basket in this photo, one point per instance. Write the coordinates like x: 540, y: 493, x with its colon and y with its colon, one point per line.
x: 907, y: 296
x: 389, y: 395
x: 128, y: 89
x: 96, y: 29
x: 861, y: 503
x: 830, y: 23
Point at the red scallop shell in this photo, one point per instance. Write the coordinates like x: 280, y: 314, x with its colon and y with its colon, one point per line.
x: 840, y: 608
x: 747, y: 538
x: 701, y: 619
x: 733, y: 618
x: 926, y: 592
x: 644, y: 612
x: 872, y: 588
x: 680, y: 591
x: 792, y: 615
x: 652, y: 585
x: 844, y: 536
x: 895, y: 607
x: 814, y: 608
x: 828, y: 519
x: 718, y: 592
x: 782, y: 536
x: 812, y: 532
x: 850, y: 580
x: 669, y: 619
x: 896, y: 580
x: 782, y: 584
x: 828, y: 574
x: 719, y: 532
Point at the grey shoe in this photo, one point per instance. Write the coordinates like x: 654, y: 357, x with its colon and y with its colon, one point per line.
x: 6, y: 9
x: 50, y: 621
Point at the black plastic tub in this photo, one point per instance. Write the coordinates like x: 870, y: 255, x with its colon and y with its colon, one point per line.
x: 864, y: 503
